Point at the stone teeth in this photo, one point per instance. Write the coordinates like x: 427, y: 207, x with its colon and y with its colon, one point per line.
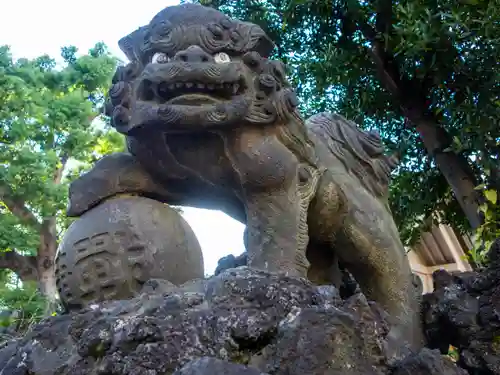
x: 228, y: 87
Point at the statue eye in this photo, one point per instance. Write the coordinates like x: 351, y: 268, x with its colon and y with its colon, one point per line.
x: 222, y: 58
x: 160, y: 58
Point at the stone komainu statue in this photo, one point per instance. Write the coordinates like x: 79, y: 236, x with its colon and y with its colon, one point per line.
x: 211, y: 122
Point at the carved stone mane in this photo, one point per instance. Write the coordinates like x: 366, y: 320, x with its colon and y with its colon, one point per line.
x: 295, y: 137
x: 361, y: 152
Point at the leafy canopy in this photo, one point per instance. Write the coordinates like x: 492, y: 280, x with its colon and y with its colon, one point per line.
x: 47, y: 135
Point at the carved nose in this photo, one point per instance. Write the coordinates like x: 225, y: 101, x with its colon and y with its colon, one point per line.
x: 193, y: 54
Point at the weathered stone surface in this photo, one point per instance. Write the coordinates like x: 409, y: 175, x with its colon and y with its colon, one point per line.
x: 242, y: 322
x: 464, y: 311
x: 319, y: 340
x: 428, y: 362
x: 113, y: 249
x: 231, y: 261
x: 207, y: 365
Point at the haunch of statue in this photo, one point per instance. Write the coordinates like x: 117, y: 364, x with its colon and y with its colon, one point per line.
x: 211, y: 122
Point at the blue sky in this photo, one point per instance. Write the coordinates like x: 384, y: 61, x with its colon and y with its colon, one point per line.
x: 33, y: 28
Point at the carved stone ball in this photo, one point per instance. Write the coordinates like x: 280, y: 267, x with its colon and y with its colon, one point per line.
x: 113, y: 249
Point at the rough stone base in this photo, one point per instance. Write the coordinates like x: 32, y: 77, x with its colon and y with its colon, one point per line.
x: 240, y: 322
x: 464, y: 311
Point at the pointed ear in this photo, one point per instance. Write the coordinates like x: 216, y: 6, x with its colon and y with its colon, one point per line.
x: 132, y: 43
x: 257, y: 39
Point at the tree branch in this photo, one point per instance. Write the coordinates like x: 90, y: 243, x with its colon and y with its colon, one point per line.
x: 23, y: 265
x: 383, y: 22
x: 413, y: 102
x: 60, y: 170
x: 408, y: 92
x: 18, y: 207
x: 347, y: 27
x: 388, y: 71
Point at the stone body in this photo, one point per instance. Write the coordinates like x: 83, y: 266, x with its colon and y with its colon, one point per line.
x: 241, y: 322
x: 114, y: 248
x: 211, y: 122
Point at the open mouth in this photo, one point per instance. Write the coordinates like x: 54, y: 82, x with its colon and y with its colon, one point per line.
x: 189, y: 92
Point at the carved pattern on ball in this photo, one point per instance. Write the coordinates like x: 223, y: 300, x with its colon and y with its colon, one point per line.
x: 103, y: 262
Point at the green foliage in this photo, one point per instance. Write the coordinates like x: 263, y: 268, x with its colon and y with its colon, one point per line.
x: 25, y: 305
x: 441, y: 58
x: 453, y: 353
x: 489, y: 231
x: 47, y: 135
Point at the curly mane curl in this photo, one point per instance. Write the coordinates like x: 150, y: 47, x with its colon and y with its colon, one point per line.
x: 362, y: 153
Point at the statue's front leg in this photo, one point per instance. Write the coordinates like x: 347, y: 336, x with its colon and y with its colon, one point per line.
x: 277, y: 189
x: 273, y: 236
x: 114, y: 174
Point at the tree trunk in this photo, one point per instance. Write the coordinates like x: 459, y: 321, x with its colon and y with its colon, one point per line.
x: 24, y: 266
x: 47, y: 284
x: 411, y: 98
x: 45, y: 263
x: 453, y: 167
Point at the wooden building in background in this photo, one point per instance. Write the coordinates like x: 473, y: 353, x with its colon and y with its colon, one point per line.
x: 439, y: 248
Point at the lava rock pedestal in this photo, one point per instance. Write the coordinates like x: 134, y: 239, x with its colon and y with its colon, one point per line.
x: 240, y: 322
x: 113, y: 249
